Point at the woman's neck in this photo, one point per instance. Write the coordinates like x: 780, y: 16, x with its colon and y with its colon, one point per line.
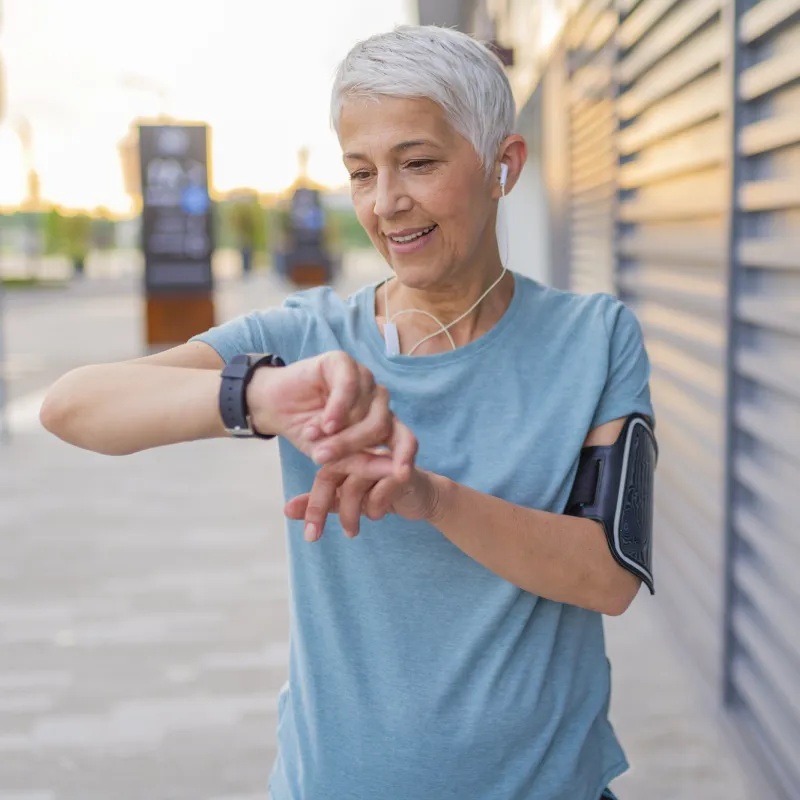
x: 446, y: 302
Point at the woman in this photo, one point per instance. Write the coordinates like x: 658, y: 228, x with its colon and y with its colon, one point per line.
x: 450, y: 643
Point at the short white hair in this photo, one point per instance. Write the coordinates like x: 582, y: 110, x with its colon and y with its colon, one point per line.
x: 450, y: 68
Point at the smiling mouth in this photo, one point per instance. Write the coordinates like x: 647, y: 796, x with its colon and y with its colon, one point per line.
x: 412, y: 236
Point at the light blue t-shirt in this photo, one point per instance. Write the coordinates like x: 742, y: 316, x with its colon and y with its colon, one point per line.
x: 415, y: 673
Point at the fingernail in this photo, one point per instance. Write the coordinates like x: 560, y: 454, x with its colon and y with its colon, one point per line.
x: 329, y: 426
x: 312, y: 432
x: 322, y: 455
x: 310, y: 532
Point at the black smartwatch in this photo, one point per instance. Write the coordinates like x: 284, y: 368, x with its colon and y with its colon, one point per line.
x: 236, y: 375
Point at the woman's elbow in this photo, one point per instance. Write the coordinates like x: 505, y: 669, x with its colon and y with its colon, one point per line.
x: 55, y: 411
x: 62, y: 414
x: 619, y: 597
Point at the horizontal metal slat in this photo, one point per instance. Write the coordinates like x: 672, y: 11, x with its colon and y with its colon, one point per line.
x: 677, y: 28
x: 770, y: 134
x: 779, y: 671
x: 670, y: 209
x: 641, y: 20
x: 700, y: 101
x: 651, y: 278
x: 696, y: 390
x: 759, y: 528
x: 592, y: 159
x: 769, y: 75
x: 587, y: 217
x: 691, y: 374
x: 603, y: 30
x: 600, y: 149
x: 773, y: 488
x: 697, y: 631
x: 769, y: 714
x: 688, y: 154
x: 698, y: 577
x: 770, y: 194
x: 588, y: 239
x: 701, y: 419
x: 682, y: 434
x: 682, y: 300
x: 764, y: 17
x: 604, y: 178
x: 772, y: 253
x: 774, y: 313
x: 702, y: 54
x: 780, y: 374
x: 770, y: 425
x: 584, y: 21
x: 590, y: 205
x: 771, y: 603
x: 686, y: 249
x: 778, y: 559
x: 700, y: 508
x: 588, y: 127
x: 702, y: 351
x: 625, y: 6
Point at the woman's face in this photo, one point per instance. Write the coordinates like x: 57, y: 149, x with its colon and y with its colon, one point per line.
x: 418, y: 188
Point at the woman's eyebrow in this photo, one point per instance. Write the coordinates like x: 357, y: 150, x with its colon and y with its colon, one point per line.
x: 398, y: 148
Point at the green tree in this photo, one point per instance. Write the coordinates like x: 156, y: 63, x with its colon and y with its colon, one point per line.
x: 77, y: 240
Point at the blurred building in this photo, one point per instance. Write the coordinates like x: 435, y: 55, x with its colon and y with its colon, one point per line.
x: 665, y: 168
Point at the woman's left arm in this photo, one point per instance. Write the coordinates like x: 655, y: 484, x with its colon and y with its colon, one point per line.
x: 561, y: 558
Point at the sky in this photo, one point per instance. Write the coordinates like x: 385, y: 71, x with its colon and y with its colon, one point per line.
x: 258, y: 71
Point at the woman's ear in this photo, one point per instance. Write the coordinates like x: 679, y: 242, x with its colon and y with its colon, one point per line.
x: 513, y: 155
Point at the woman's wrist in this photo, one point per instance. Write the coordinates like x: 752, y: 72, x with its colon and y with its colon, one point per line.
x: 443, y: 491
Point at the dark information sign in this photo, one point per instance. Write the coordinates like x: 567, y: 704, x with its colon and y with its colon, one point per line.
x: 177, y: 224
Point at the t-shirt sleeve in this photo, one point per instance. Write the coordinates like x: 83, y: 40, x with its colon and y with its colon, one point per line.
x: 275, y: 330
x: 627, y: 388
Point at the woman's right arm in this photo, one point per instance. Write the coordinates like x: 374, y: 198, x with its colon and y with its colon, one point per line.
x: 327, y: 406
x: 128, y: 406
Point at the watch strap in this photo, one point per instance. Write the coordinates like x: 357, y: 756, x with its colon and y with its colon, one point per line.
x: 236, y: 376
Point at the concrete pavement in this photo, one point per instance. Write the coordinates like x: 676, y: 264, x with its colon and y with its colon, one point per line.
x: 143, y: 613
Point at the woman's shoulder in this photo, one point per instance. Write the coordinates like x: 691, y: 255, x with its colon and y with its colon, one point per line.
x: 325, y: 302
x: 567, y: 307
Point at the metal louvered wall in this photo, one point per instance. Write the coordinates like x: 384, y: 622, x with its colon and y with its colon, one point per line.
x: 763, y: 621
x: 672, y: 271
x: 593, y: 158
x: 684, y: 154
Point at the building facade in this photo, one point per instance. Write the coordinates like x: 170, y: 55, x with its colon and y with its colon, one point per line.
x: 665, y: 168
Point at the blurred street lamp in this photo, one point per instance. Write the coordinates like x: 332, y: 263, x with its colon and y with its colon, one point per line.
x: 24, y: 131
x: 3, y: 394
x: 128, y: 147
x: 141, y: 83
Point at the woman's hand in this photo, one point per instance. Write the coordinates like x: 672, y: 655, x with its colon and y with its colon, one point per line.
x: 412, y: 494
x: 330, y: 408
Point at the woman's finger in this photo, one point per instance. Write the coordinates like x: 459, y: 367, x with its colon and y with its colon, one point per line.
x: 320, y: 503
x: 346, y: 383
x: 296, y: 507
x: 380, y: 498
x: 375, y: 429
x: 404, y: 447
x: 351, y: 499
x: 368, y: 465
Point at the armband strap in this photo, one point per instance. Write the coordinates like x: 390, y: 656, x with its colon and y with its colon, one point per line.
x: 614, y: 486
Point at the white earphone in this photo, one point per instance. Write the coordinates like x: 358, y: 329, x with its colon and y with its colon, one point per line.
x: 503, y: 177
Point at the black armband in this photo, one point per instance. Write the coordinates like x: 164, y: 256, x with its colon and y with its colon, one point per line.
x: 614, y: 486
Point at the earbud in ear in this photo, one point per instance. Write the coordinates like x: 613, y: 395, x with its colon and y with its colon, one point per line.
x: 503, y: 176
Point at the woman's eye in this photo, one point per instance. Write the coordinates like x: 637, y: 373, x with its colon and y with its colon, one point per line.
x: 361, y: 175
x: 419, y: 163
